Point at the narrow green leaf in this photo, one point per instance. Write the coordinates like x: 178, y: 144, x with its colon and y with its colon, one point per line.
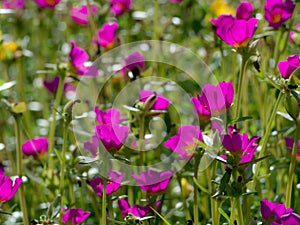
x: 223, y: 213
x: 160, y: 216
x: 201, y: 187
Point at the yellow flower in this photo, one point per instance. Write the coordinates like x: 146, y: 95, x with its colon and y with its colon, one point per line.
x: 187, y: 188
x: 220, y: 7
x: 7, y: 50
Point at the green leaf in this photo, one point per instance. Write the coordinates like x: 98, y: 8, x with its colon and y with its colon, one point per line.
x: 240, y: 119
x: 201, y: 187
x: 223, y: 213
x: 160, y: 216
x: 7, y: 85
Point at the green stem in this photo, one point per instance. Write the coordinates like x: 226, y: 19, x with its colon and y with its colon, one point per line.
x: 292, y: 168
x: 103, y: 214
x: 183, y: 199
x: 19, y: 169
x: 63, y: 165
x: 265, y: 140
x: 196, y: 208
x: 53, y: 123
x: 240, y: 212
x: 232, y: 216
x: 240, y: 85
x: 277, y: 50
x: 142, y: 140
x: 214, y: 202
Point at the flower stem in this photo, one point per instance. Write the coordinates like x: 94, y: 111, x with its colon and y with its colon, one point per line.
x: 19, y: 168
x: 292, y: 168
x: 63, y: 165
x: 196, y: 210
x: 240, y: 212
x: 53, y: 123
x: 214, y: 203
x: 142, y: 139
x: 240, y: 85
x: 265, y: 140
x: 103, y: 214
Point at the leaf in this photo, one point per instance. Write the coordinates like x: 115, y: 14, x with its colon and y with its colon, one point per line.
x: 3, y: 212
x: 86, y: 160
x: 285, y: 115
x: 7, y: 85
x: 131, y: 108
x: 223, y: 213
x: 240, y: 119
x: 201, y: 187
x: 160, y: 216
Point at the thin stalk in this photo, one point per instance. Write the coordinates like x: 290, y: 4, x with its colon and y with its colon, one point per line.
x: 142, y: 140
x: 53, y: 123
x: 196, y: 209
x: 19, y: 169
x: 233, y: 204
x: 214, y: 204
x: 277, y: 50
x: 292, y: 168
x: 240, y: 212
x: 62, y: 171
x: 240, y: 86
x: 265, y: 139
x: 103, y: 214
x: 183, y: 198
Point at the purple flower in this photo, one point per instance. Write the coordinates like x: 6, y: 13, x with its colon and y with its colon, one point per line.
x: 160, y: 103
x: 107, y: 35
x: 92, y: 147
x: 36, y: 147
x: 272, y: 212
x: 244, y: 11
x: 136, y: 210
x: 289, y: 142
x: 74, y: 216
x: 235, y: 32
x: 239, y: 144
x: 52, y: 86
x: 134, y: 61
x: 277, y: 12
x: 184, y: 143
x: 7, y: 188
x: 80, y: 15
x: 111, y: 116
x: 112, y: 184
x: 78, y: 58
x: 290, y: 219
x: 287, y: 67
x: 153, y: 182
x: 118, y: 7
x: 47, y: 3
x: 14, y: 4
x: 112, y: 136
x: 214, y: 100
x: 292, y: 35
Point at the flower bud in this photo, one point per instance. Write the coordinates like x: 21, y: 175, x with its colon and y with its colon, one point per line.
x: 291, y: 105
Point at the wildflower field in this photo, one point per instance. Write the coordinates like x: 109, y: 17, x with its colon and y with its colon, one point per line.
x: 149, y: 112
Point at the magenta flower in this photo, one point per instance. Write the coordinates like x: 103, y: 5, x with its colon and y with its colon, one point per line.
x: 290, y: 219
x: 244, y: 11
x: 153, y: 182
x: 111, y: 116
x: 52, y: 86
x: 214, y: 100
x: 239, y: 144
x: 92, y: 146
x: 287, y: 67
x: 74, y: 216
x: 36, y: 147
x: 272, y: 212
x: 289, y: 142
x: 80, y: 15
x: 119, y: 7
x: 292, y: 35
x: 14, y: 4
x: 7, y: 188
x: 235, y: 32
x: 184, y: 143
x: 47, y: 3
x: 112, y: 136
x: 160, y: 103
x: 107, y: 36
x: 135, y: 62
x: 78, y: 58
x: 136, y: 210
x: 277, y: 12
x: 112, y: 185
